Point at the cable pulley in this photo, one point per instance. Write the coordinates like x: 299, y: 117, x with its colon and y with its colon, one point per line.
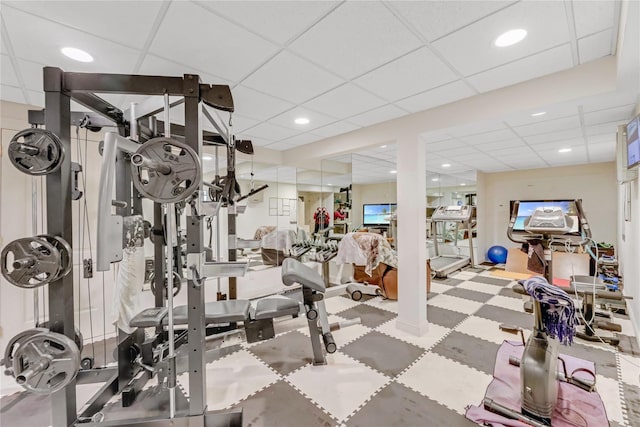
x: 165, y: 170
x: 36, y: 151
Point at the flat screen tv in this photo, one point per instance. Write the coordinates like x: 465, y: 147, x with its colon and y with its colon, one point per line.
x: 633, y: 142
x: 378, y: 214
x: 527, y: 207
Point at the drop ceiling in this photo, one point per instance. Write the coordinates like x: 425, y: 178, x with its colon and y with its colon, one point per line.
x: 345, y: 65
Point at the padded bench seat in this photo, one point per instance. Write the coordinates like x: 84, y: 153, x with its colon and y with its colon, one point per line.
x: 226, y: 311
x: 270, y: 308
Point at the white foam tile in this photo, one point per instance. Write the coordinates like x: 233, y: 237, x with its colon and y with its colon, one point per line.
x: 480, y: 287
x: 609, y: 391
x: 384, y: 304
x: 460, y: 305
x: 434, y: 334
x: 629, y: 369
x: 338, y: 304
x: 439, y: 287
x: 486, y: 329
x: 447, y: 382
x: 339, y: 387
x: 233, y: 378
x: 514, y: 304
x: 342, y: 336
x: 464, y: 275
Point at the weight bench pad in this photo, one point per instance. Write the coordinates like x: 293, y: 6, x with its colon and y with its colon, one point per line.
x: 214, y: 312
x: 149, y: 318
x: 270, y: 308
x: 294, y: 271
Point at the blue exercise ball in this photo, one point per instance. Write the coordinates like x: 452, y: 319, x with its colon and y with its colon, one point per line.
x: 497, y: 254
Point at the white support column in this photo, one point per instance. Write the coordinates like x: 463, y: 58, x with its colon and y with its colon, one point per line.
x: 412, y: 253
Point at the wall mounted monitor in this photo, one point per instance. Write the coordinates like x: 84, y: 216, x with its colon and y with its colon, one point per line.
x: 378, y: 214
x: 527, y: 207
x: 633, y: 142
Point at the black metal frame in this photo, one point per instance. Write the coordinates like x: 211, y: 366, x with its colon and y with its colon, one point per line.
x: 60, y: 87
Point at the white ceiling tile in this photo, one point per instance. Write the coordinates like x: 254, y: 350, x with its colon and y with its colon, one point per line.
x: 530, y: 162
x: 595, y: 46
x: 602, y: 152
x: 27, y: 31
x: 278, y: 21
x: 434, y: 19
x: 453, y: 152
x: 435, y: 136
x: 593, y: 16
x: 11, y: 93
x: 558, y: 144
x: 485, y: 137
x: 242, y: 123
x: 382, y: 114
x: 32, y: 74
x: 601, y: 139
x: 439, y: 96
x: 507, y: 152
x: 129, y: 23
x: 474, y: 128
x: 3, y: 47
x: 279, y: 146
x: 499, y: 146
x: 261, y: 142
x: 316, y: 120
x: 610, y: 100
x: 547, y: 62
x: 619, y: 114
x: 156, y: 66
x: 549, y: 126
x: 336, y: 128
x: 602, y: 129
x: 302, y: 139
x: 220, y: 53
x: 8, y: 76
x: 415, y: 72
x: 550, y: 112
x: 289, y: 77
x: 355, y: 38
x: 257, y: 105
x: 271, y: 131
x: 561, y: 135
x: 345, y: 101
x: 37, y: 98
x: 444, y: 145
x: 545, y: 22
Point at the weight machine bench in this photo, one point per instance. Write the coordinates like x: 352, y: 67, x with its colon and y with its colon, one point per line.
x: 258, y: 323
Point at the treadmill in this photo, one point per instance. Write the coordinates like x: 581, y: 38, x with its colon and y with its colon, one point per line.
x: 462, y: 216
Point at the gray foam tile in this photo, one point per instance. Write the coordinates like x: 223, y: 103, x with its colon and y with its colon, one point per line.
x: 448, y: 281
x: 490, y: 280
x: 469, y: 294
x: 503, y: 315
x: 285, y: 353
x: 606, y: 364
x: 468, y: 350
x: 371, y: 317
x: 632, y: 400
x: 508, y: 292
x: 444, y: 317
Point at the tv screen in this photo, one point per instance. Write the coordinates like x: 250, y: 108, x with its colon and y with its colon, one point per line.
x: 527, y: 207
x: 633, y: 142
x: 377, y: 214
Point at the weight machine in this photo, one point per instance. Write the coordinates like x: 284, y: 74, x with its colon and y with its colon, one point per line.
x: 165, y: 169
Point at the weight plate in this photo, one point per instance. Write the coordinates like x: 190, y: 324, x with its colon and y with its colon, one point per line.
x: 77, y: 337
x: 45, y: 363
x: 66, y: 263
x: 14, y: 343
x: 36, y: 151
x: 30, y: 262
x: 177, y: 284
x: 183, y: 177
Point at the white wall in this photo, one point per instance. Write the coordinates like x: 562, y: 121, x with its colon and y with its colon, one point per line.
x: 595, y: 184
x: 370, y: 193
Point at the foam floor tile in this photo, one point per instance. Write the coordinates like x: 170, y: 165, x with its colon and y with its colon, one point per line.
x: 337, y: 304
x: 371, y: 317
x: 460, y: 305
x: 385, y: 304
x: 506, y: 302
x: 610, y: 393
x: 444, y: 317
x: 440, y: 288
x: 629, y: 369
x: 434, y: 334
x: 469, y: 294
x: 233, y: 378
x: 447, y: 382
x: 340, y: 387
x: 344, y: 335
x: 463, y: 275
x: 486, y: 329
x: 631, y: 400
x: 504, y: 315
x: 491, y: 281
x: 481, y: 287
x: 285, y: 353
x: 470, y: 351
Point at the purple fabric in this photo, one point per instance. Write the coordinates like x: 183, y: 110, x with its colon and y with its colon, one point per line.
x: 575, y: 408
x: 558, y: 309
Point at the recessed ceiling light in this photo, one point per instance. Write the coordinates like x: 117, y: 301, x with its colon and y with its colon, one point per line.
x: 394, y: 171
x: 511, y: 37
x: 329, y: 184
x: 541, y: 113
x: 435, y: 179
x: 564, y: 150
x: 77, y: 54
x: 463, y: 183
x: 301, y: 121
x: 446, y: 165
x: 207, y: 158
x: 383, y: 146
